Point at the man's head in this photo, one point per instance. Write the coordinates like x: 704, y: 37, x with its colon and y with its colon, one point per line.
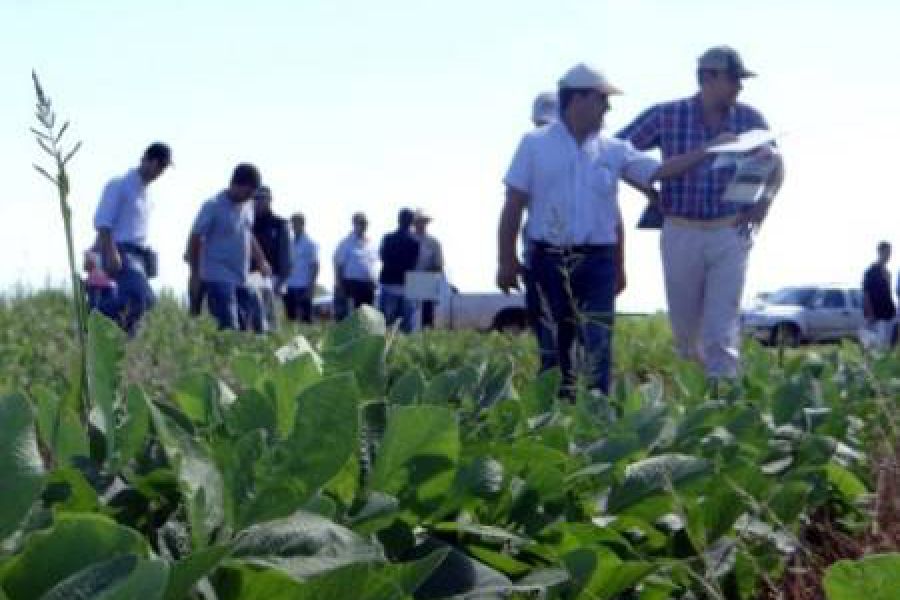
x: 360, y: 223
x: 244, y: 182
x: 405, y: 219
x: 545, y: 109
x: 262, y: 200
x: 157, y: 158
x: 298, y: 223
x: 421, y: 219
x: 584, y: 98
x: 884, y: 252
x: 719, y: 73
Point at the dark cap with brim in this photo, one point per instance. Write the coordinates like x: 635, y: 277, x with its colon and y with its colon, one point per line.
x: 160, y: 152
x: 246, y: 174
x: 724, y: 58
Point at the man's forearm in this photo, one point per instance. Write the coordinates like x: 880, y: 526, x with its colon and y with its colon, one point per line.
x: 193, y: 255
x: 508, y: 230
x: 679, y: 165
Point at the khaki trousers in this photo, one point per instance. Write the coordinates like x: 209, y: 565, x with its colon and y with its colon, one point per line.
x: 704, y: 266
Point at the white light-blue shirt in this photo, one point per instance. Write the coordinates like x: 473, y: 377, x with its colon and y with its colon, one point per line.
x: 124, y: 209
x: 306, y: 256
x: 572, y: 190
x: 226, y: 228
x: 358, y: 257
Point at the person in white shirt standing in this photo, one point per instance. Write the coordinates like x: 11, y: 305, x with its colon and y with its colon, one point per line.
x: 566, y: 175
x: 301, y: 285
x: 122, y: 220
x: 431, y: 260
x: 355, y: 265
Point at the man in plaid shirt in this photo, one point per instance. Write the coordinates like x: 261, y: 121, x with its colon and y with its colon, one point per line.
x: 705, y: 240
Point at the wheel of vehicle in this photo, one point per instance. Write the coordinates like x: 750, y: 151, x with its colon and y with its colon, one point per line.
x: 509, y: 320
x: 785, y: 334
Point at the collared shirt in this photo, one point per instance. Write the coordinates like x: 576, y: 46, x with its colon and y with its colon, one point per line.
x: 227, y: 231
x: 676, y: 128
x: 573, y: 191
x: 431, y: 256
x: 306, y: 256
x: 124, y: 209
x: 358, y: 257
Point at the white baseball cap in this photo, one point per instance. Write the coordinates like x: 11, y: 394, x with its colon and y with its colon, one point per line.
x: 582, y: 76
x: 545, y: 108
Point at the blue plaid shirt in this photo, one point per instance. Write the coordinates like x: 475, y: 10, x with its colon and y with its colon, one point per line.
x: 676, y: 128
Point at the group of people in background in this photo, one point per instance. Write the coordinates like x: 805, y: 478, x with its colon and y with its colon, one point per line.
x: 564, y: 176
x: 243, y: 257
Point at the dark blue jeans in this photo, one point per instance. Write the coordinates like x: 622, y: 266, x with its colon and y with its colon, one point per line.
x: 396, y: 307
x: 133, y: 296
x: 233, y: 306
x: 577, y: 292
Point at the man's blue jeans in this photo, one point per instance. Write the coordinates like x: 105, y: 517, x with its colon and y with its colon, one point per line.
x: 233, y: 306
x: 577, y: 291
x: 396, y: 307
x: 133, y: 296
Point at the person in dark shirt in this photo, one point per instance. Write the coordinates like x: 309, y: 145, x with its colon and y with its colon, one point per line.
x: 878, y: 301
x: 399, y: 255
x: 274, y: 237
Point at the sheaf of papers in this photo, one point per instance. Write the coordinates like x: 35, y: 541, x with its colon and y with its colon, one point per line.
x: 745, y: 142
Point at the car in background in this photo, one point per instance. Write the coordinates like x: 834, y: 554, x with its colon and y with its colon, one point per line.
x: 811, y: 313
x: 484, y: 311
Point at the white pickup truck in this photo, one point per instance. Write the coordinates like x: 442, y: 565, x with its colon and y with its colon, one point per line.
x: 461, y: 310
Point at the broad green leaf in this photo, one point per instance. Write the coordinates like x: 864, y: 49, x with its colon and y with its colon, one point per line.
x: 20, y: 463
x: 75, y: 542
x: 539, y: 395
x: 289, y: 380
x: 132, y: 431
x: 325, y: 434
x: 357, y: 345
x: 196, y: 394
x: 239, y: 582
x: 105, y: 354
x: 124, y: 577
x: 252, y: 410
x: 303, y: 545
x: 372, y: 581
x: 67, y: 489
x: 408, y: 389
x: 652, y: 475
x: 875, y: 577
x: 847, y: 484
x: 59, y: 427
x: 418, y: 457
x: 599, y: 574
x: 191, y: 569
x: 202, y: 483
x: 501, y: 561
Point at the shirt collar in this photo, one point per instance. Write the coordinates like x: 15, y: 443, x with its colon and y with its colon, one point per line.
x: 560, y: 129
x: 696, y: 102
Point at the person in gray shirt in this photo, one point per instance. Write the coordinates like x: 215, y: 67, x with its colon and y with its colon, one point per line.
x: 221, y: 247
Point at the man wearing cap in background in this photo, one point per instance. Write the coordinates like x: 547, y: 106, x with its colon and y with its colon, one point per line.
x: 301, y: 285
x: 222, y: 246
x: 431, y: 260
x: 121, y: 221
x: 566, y: 176
x: 399, y: 254
x: 274, y: 238
x: 705, y: 241
x: 355, y: 261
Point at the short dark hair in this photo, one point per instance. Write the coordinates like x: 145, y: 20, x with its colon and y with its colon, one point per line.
x: 159, y: 152
x: 884, y: 246
x: 405, y: 217
x: 246, y: 174
x: 566, y: 94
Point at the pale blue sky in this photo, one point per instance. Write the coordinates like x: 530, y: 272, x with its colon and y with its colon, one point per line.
x: 368, y: 106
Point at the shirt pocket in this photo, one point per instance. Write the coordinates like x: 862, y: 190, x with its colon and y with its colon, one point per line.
x: 602, y: 179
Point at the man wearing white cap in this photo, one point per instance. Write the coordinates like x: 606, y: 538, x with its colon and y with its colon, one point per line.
x: 565, y: 175
x: 706, y: 240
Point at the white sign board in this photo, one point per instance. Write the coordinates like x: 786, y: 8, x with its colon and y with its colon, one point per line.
x: 423, y: 285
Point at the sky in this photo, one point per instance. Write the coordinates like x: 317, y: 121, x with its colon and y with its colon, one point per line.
x: 372, y: 106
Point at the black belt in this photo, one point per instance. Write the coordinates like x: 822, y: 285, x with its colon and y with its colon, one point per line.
x: 600, y: 249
